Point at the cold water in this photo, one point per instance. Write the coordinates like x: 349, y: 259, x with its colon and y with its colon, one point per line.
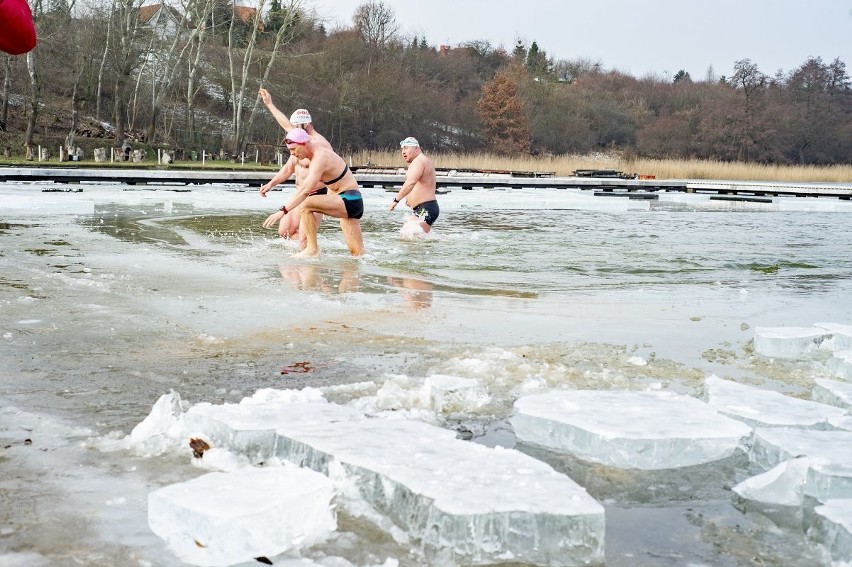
x: 111, y: 296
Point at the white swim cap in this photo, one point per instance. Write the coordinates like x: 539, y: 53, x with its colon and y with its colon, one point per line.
x: 409, y: 142
x: 300, y: 116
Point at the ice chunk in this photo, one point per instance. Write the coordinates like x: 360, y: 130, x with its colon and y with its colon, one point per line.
x: 833, y: 393
x: 781, y: 485
x: 451, y: 394
x: 842, y: 334
x: 228, y: 518
x: 249, y: 428
x: 766, y: 408
x: 833, y: 529
x: 840, y: 364
x: 788, y: 342
x: 844, y: 423
x: 829, y: 454
x: 463, y: 502
x: 631, y: 430
x: 161, y: 429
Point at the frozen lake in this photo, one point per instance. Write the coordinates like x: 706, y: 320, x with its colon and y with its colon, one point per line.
x: 111, y: 296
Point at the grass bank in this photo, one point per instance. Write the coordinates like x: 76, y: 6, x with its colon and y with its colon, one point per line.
x: 564, y: 166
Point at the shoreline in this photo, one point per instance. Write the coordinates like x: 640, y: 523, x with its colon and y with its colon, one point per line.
x: 644, y: 189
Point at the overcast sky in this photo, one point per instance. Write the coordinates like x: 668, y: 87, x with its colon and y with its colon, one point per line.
x: 637, y: 37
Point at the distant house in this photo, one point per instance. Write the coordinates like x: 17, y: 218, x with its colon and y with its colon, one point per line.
x: 168, y: 18
x: 161, y: 16
x: 247, y: 14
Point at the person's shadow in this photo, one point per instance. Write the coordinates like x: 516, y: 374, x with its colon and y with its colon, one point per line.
x: 416, y: 293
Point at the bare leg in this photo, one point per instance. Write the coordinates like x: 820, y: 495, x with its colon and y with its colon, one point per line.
x: 352, y: 235
x: 308, y: 228
x: 425, y: 226
x: 303, y: 240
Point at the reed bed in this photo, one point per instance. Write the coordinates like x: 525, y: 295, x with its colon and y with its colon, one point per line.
x: 565, y: 165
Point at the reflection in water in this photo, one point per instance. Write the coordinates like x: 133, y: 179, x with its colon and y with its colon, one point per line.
x: 416, y: 293
x: 312, y: 277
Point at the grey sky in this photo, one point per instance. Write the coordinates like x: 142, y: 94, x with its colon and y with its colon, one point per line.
x: 656, y: 37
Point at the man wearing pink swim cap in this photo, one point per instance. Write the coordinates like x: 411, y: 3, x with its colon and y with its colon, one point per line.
x: 289, y: 224
x: 343, y: 200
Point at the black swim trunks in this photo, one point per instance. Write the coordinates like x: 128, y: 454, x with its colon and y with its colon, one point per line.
x: 354, y: 203
x: 428, y: 212
x: 320, y: 191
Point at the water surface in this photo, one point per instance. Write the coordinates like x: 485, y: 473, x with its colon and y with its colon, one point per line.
x: 112, y: 297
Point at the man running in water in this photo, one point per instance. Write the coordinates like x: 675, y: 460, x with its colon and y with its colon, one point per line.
x: 343, y: 200
x: 288, y: 225
x: 419, y: 187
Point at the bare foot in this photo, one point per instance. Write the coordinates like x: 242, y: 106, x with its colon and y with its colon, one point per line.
x: 306, y: 253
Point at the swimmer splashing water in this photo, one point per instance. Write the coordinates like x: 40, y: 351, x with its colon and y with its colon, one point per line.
x: 418, y: 190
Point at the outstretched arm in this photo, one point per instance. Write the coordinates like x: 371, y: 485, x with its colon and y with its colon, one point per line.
x: 279, y: 116
x: 283, y: 175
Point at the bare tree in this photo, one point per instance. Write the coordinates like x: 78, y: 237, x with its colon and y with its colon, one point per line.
x: 35, y: 88
x: 202, y: 10
x: 748, y: 80
x: 167, y: 62
x: 35, y: 100
x: 285, y: 33
x: 102, y: 66
x: 7, y: 85
x: 125, y: 57
x: 376, y: 22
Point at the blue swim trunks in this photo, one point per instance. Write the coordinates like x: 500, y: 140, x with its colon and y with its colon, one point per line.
x: 354, y: 203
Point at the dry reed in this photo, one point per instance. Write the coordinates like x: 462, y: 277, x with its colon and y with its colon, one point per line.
x: 565, y: 165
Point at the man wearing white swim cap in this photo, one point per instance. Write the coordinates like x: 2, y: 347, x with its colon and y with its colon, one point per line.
x: 301, y: 118
x: 419, y: 187
x: 343, y: 199
x: 289, y: 224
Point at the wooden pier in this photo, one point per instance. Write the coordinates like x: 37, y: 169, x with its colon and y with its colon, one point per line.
x: 391, y: 179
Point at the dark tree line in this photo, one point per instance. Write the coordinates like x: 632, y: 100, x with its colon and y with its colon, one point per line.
x: 187, y: 77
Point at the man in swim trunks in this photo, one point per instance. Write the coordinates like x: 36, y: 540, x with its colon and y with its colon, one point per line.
x: 419, y: 187
x: 288, y: 225
x: 343, y: 200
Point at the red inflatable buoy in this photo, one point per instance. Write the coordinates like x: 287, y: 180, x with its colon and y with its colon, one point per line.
x: 17, y: 31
